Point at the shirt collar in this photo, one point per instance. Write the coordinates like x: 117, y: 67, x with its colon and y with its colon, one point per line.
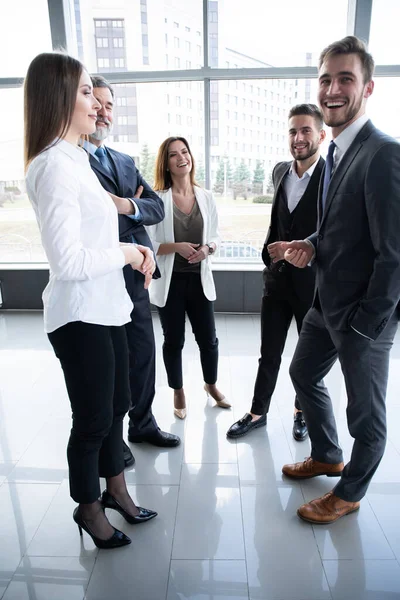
x: 75, y: 152
x: 91, y: 148
x: 344, y: 139
x: 309, y: 172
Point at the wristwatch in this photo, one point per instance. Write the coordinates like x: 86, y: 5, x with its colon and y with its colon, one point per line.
x: 210, y: 249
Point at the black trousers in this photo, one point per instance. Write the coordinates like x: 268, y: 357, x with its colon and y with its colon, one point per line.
x: 277, y: 311
x: 94, y: 359
x: 365, y: 365
x: 142, y: 358
x: 186, y: 296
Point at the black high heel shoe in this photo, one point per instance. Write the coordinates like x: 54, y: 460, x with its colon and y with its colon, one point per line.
x: 115, y: 541
x: 145, y: 514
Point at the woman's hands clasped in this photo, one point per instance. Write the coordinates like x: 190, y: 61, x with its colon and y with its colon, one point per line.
x: 194, y: 253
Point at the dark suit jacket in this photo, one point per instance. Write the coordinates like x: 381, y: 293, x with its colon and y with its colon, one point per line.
x: 358, y: 238
x: 303, y: 224
x: 125, y: 185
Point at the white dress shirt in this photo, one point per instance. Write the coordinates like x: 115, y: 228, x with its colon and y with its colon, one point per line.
x: 345, y: 139
x: 78, y: 224
x: 295, y: 186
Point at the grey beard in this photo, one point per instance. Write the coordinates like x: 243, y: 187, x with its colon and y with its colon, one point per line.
x: 101, y: 133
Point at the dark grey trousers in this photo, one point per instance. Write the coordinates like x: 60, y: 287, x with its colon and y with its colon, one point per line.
x: 365, y: 366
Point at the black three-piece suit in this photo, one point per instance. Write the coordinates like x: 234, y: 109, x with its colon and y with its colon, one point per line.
x: 123, y: 181
x: 288, y: 291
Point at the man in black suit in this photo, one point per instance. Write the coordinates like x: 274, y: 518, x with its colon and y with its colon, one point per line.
x: 137, y: 205
x: 357, y: 254
x: 288, y: 291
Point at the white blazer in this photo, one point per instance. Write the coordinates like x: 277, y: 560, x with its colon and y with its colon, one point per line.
x: 163, y: 233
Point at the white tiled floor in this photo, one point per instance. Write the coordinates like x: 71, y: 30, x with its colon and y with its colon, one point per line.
x: 227, y: 527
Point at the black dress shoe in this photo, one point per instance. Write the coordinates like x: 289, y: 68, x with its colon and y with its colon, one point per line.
x: 117, y: 539
x: 129, y: 459
x: 300, y: 431
x: 145, y: 514
x: 156, y: 438
x: 245, y: 425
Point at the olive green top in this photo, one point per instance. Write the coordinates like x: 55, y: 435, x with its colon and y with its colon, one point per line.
x: 187, y: 228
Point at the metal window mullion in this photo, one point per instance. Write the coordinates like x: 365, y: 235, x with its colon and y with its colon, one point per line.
x: 57, y: 24
x: 207, y: 133
x: 359, y: 18
x: 217, y: 74
x: 206, y: 103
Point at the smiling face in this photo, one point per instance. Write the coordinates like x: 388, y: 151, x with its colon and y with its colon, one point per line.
x: 305, y: 137
x: 84, y: 117
x: 179, y: 159
x: 342, y: 91
x: 104, y: 119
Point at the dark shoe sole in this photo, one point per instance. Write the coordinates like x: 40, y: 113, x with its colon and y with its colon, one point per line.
x: 338, y: 474
x: 154, y: 443
x: 238, y: 435
x: 326, y: 522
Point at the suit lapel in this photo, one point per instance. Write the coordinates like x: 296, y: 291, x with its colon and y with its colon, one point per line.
x: 98, y: 168
x: 121, y: 170
x: 198, y: 192
x: 343, y: 167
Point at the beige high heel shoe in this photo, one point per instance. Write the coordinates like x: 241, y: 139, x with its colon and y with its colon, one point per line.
x: 180, y: 412
x: 221, y: 403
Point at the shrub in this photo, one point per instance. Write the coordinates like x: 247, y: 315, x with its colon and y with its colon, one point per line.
x: 262, y: 199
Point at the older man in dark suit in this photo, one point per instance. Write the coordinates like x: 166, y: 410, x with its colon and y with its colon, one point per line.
x: 137, y: 205
x: 357, y: 254
x: 288, y: 292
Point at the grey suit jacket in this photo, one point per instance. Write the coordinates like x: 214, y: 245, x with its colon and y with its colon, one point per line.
x: 358, y: 239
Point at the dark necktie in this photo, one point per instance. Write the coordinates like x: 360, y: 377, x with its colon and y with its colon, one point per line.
x: 327, y: 173
x: 103, y: 158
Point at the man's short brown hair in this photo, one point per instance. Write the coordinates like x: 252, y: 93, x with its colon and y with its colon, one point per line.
x: 308, y: 109
x: 351, y: 45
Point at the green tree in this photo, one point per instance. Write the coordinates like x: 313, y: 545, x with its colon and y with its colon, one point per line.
x: 200, y: 174
x: 270, y: 184
x: 220, y: 178
x: 147, y: 164
x: 258, y: 178
x: 241, y: 181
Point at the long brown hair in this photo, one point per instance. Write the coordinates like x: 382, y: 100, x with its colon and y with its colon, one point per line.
x: 163, y: 180
x: 50, y: 89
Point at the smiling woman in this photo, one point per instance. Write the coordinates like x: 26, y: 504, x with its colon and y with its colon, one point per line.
x: 183, y: 243
x: 86, y: 304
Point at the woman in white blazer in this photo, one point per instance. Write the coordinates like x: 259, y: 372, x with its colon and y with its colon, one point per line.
x: 85, y: 302
x: 183, y: 242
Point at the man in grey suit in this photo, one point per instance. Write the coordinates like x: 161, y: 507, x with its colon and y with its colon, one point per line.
x: 357, y: 253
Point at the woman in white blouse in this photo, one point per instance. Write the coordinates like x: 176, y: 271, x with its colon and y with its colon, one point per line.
x: 85, y: 302
x: 183, y: 243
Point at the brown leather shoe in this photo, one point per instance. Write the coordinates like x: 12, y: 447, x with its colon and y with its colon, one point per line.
x: 327, y: 509
x: 312, y: 468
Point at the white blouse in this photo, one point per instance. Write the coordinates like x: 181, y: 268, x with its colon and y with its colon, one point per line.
x: 78, y: 223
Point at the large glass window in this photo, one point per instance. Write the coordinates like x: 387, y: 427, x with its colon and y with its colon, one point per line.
x: 19, y: 234
x: 246, y: 144
x: 248, y: 118
x: 133, y: 36
x: 257, y: 33
x: 24, y: 32
x: 384, y: 35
